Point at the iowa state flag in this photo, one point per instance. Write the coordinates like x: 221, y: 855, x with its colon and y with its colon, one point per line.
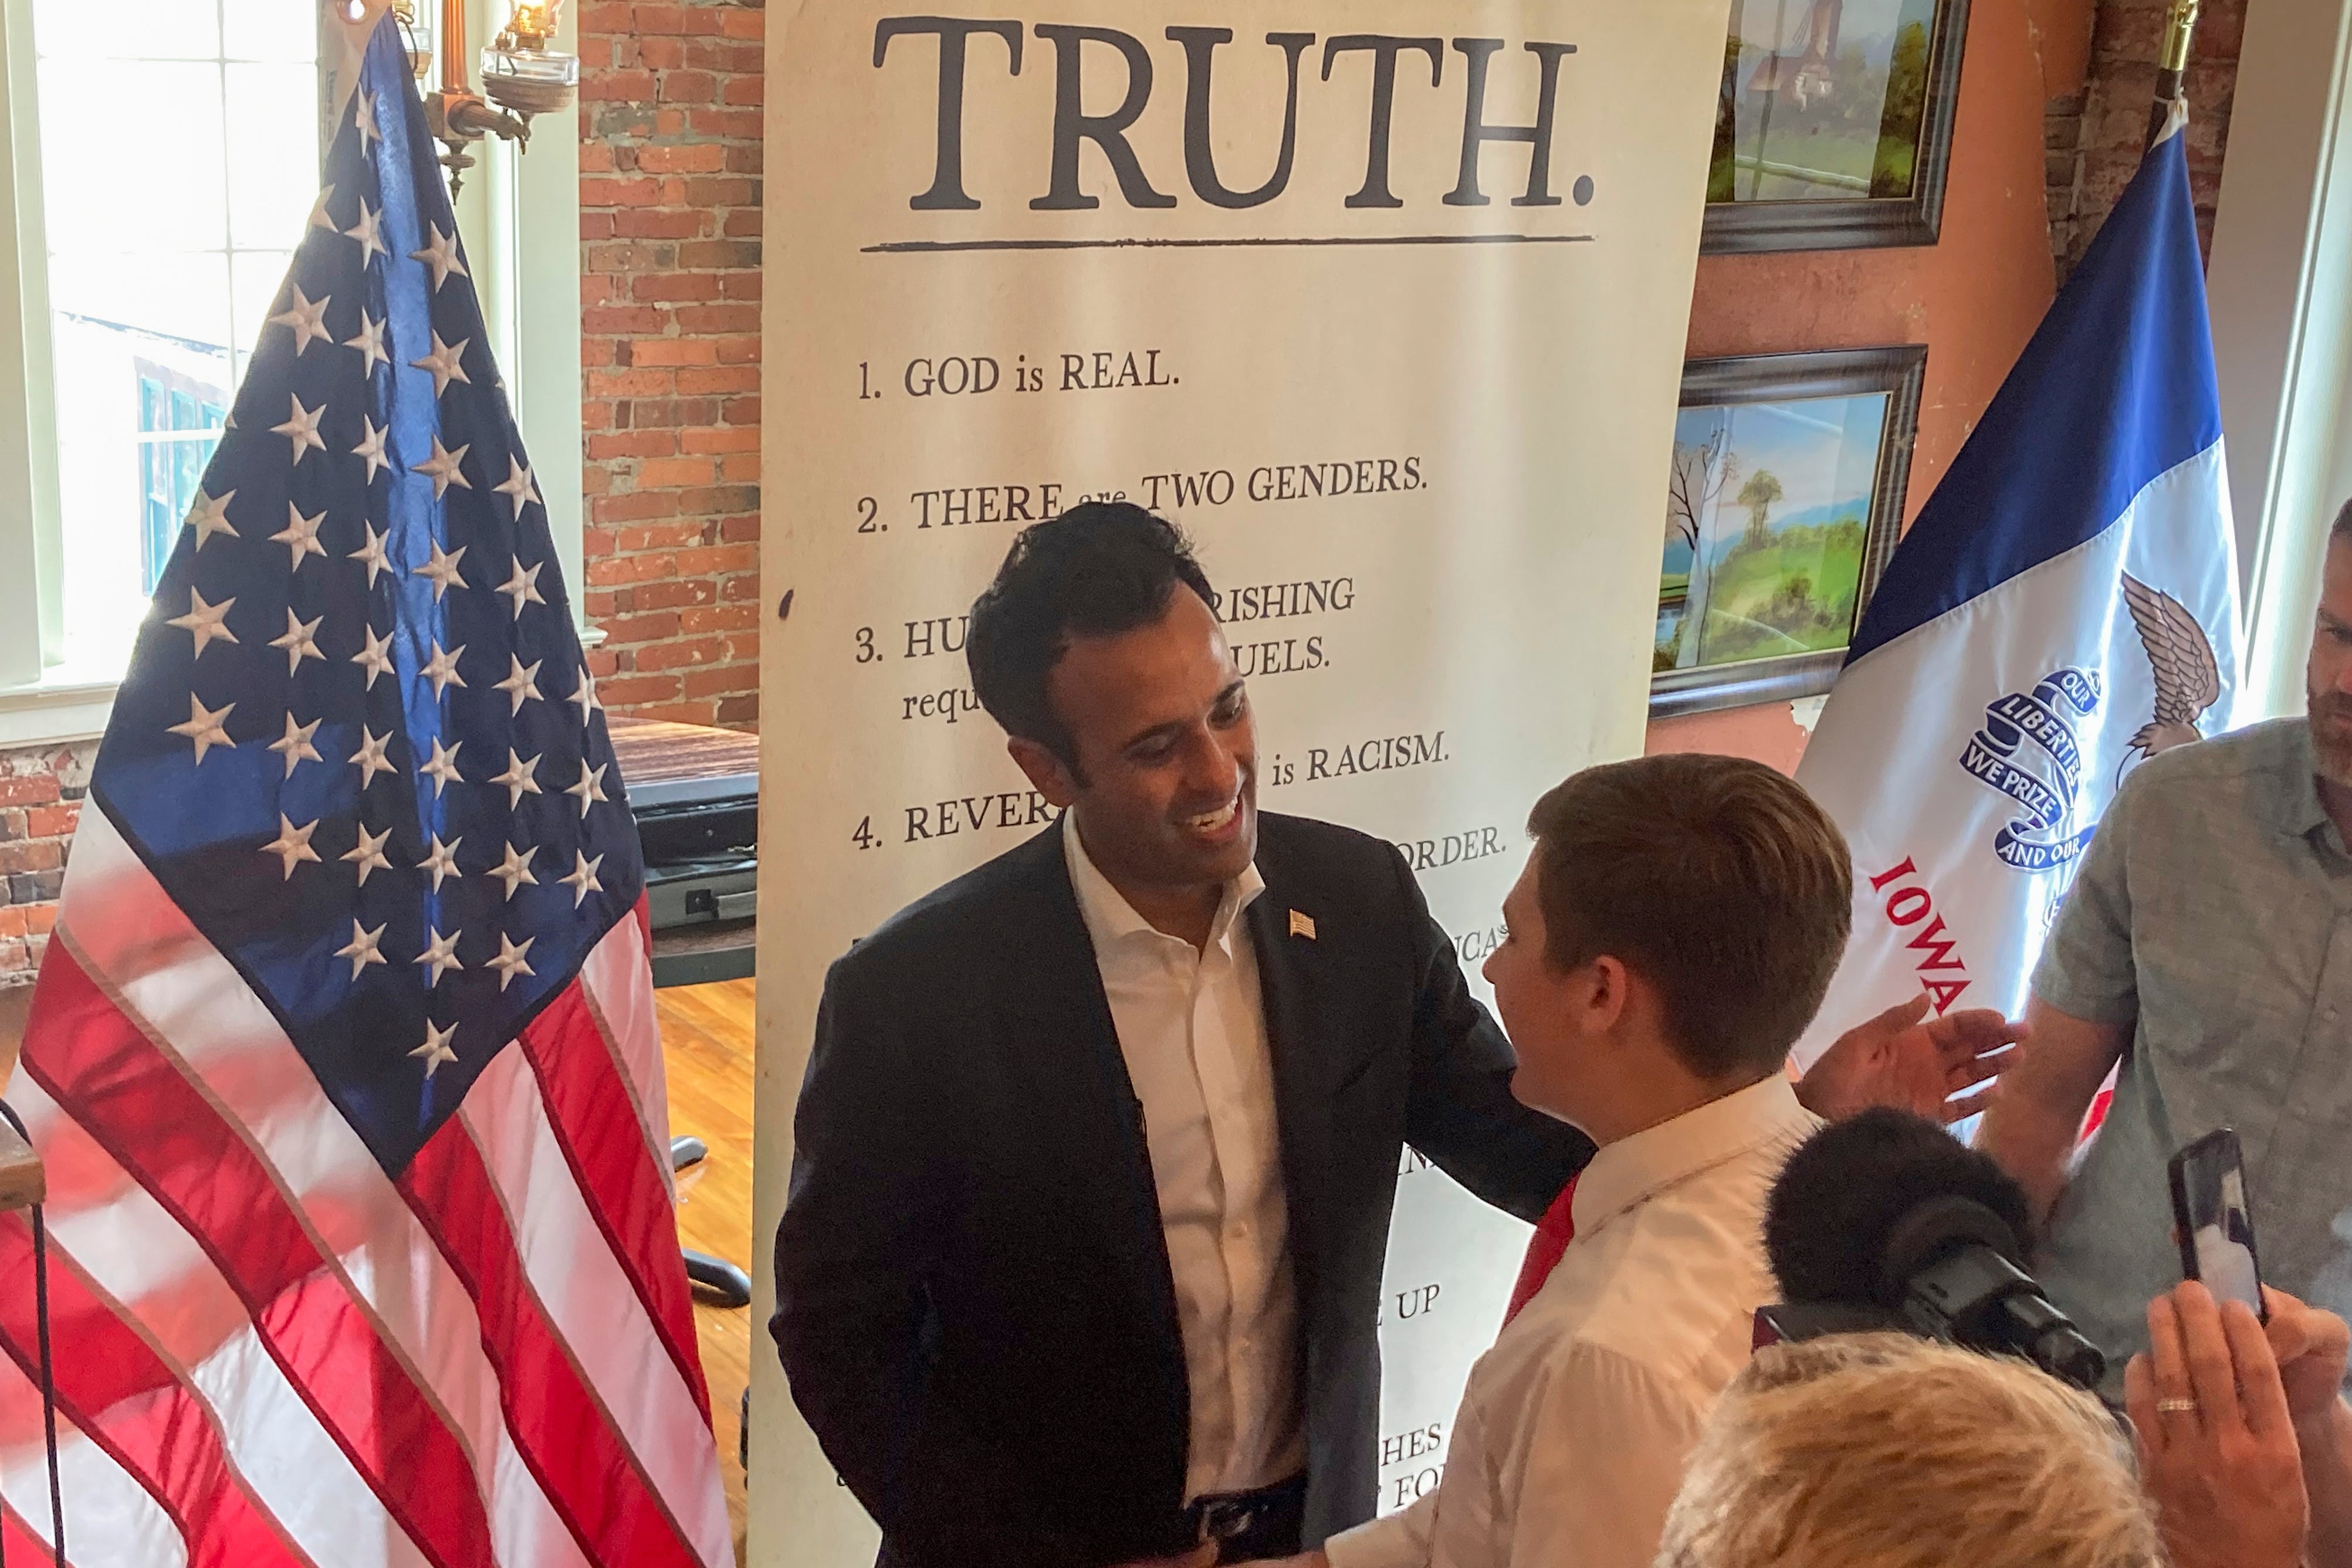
x: 2065, y: 606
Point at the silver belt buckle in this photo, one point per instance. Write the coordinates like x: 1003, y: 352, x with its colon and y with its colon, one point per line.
x: 1224, y: 1518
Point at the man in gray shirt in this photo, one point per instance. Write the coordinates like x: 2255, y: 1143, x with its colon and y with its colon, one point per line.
x: 2210, y: 932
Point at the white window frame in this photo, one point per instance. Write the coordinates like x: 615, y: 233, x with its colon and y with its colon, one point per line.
x: 521, y: 216
x: 2280, y: 286
x: 526, y: 205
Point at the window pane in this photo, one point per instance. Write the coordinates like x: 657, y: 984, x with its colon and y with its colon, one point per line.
x: 178, y: 428
x: 270, y: 196
x: 174, y: 293
x: 129, y: 29
x: 169, y: 221
x: 157, y: 500
x: 257, y: 277
x: 151, y: 165
x: 282, y: 30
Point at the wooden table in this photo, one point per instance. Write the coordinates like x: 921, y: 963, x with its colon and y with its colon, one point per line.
x: 665, y: 763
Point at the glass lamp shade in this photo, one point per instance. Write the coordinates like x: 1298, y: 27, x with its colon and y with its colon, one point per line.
x: 529, y: 81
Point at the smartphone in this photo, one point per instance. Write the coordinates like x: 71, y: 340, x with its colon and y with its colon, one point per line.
x: 2211, y: 1217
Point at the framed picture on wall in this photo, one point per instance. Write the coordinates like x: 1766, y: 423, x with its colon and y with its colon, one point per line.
x: 1783, y: 502
x: 1833, y: 129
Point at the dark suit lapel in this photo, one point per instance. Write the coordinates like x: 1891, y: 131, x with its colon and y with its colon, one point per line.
x: 1290, y: 975
x: 1061, y: 1029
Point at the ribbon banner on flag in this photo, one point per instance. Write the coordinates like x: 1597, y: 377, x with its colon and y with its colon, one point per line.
x: 2035, y: 715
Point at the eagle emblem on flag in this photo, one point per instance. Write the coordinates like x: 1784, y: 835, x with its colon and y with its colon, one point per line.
x: 2180, y: 656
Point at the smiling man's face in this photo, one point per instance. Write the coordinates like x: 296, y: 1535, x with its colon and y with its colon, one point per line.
x: 1165, y: 789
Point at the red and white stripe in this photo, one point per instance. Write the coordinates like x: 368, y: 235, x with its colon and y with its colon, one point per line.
x: 270, y: 1352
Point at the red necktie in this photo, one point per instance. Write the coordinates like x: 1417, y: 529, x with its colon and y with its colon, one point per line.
x: 1554, y: 1232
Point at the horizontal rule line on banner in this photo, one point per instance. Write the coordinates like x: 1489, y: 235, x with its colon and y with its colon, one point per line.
x: 930, y: 245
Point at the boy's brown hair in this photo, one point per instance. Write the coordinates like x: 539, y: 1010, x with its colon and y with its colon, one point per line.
x: 1716, y: 879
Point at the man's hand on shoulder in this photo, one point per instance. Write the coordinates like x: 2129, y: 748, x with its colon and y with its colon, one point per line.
x: 1903, y: 1059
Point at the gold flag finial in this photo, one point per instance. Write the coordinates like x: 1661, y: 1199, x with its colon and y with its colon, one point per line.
x: 2165, y: 116
x: 2179, y: 24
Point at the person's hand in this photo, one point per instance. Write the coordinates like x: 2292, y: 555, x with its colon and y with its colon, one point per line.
x: 2311, y: 1345
x: 1903, y: 1059
x: 2217, y: 1445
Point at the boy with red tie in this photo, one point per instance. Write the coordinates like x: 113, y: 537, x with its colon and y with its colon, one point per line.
x: 1671, y: 935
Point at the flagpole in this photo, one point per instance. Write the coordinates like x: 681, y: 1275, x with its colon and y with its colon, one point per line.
x: 2171, y: 65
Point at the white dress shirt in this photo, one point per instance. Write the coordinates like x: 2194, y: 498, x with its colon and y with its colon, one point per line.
x: 1192, y: 1026
x: 1573, y: 1432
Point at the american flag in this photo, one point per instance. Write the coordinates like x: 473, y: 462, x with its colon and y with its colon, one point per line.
x: 343, y: 1058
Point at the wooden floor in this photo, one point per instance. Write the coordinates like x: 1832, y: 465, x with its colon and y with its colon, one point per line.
x: 706, y: 1034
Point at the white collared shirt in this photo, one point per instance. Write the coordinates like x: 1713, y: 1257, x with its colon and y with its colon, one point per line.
x: 1192, y: 1026
x: 1572, y: 1435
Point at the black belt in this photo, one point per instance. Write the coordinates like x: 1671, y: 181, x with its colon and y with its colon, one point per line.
x: 1248, y: 1525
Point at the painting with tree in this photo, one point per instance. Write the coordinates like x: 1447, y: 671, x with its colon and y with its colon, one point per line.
x: 1782, y: 501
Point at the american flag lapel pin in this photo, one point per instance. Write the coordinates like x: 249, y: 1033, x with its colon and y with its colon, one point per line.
x: 1302, y: 925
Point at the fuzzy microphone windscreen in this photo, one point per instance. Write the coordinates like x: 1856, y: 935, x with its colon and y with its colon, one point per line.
x: 1846, y: 1188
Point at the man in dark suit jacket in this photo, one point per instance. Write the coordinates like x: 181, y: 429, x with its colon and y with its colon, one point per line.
x: 1042, y: 1221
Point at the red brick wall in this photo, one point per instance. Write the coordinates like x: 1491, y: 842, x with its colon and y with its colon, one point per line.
x: 40, y: 800
x: 670, y: 230
x: 2096, y: 138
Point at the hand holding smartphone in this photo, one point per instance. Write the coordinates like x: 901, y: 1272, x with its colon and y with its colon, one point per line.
x: 2212, y: 1222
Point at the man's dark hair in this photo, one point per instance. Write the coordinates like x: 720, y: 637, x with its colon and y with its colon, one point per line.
x: 1716, y: 879
x: 1097, y: 569
x: 2342, y: 528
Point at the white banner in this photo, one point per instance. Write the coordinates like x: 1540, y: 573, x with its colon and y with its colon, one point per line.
x: 1401, y: 353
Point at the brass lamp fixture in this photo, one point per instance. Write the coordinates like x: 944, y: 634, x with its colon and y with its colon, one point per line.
x: 522, y: 76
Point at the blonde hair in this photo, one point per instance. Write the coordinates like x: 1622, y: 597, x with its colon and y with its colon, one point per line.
x: 1882, y: 1451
